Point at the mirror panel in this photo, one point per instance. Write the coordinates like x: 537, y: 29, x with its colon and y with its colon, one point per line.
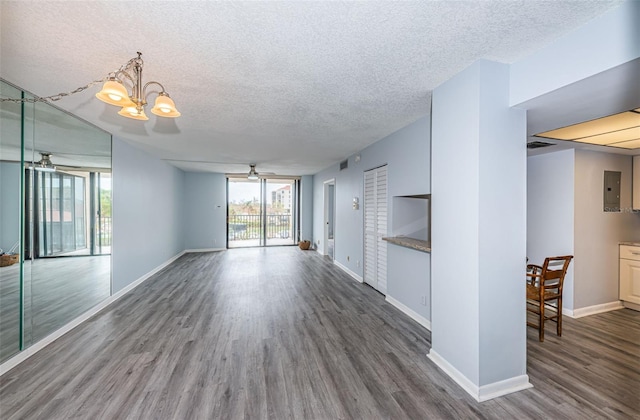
x: 10, y: 193
x: 66, y: 250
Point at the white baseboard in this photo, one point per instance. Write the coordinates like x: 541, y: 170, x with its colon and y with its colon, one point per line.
x: 36, y: 347
x: 410, y: 312
x: 319, y: 251
x: 507, y: 386
x: 592, y: 310
x: 485, y: 392
x: 349, y: 272
x: 188, y: 251
x: 631, y: 305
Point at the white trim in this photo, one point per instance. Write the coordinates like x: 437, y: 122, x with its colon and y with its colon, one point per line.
x: 319, y: 251
x: 507, y: 386
x: 188, y: 251
x: 410, y: 312
x: 485, y: 392
x: 349, y: 272
x: 592, y: 310
x: 631, y: 305
x: 325, y: 220
x: 36, y: 347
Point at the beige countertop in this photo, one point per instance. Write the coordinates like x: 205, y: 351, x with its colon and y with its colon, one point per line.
x: 412, y: 243
x: 630, y: 243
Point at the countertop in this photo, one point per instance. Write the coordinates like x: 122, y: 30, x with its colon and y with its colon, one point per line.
x: 630, y: 243
x: 417, y: 244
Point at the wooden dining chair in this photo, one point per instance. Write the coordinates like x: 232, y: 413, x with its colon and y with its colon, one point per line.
x: 544, y: 292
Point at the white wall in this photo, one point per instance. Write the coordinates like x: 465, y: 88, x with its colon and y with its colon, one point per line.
x: 148, y: 213
x: 550, y: 210
x: 598, y: 233
x: 407, y: 154
x: 206, y: 210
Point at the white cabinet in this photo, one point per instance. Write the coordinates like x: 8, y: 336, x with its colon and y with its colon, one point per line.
x: 630, y: 276
x: 636, y: 182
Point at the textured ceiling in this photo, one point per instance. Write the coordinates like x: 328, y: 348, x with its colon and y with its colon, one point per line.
x: 291, y: 86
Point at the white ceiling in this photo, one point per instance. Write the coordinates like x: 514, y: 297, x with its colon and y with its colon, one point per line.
x: 291, y: 86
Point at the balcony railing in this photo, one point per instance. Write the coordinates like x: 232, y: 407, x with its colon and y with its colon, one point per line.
x: 249, y: 226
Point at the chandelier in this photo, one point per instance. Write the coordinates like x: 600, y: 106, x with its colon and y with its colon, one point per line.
x: 133, y: 98
x: 123, y: 88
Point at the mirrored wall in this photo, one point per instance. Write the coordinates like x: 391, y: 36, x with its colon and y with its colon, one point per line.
x: 55, y: 219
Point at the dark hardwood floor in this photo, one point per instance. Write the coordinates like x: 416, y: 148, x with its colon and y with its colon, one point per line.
x: 282, y: 333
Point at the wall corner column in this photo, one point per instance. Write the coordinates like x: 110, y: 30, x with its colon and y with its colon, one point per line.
x: 479, y: 232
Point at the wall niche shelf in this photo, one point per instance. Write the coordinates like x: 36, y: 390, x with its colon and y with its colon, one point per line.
x: 411, y: 243
x: 411, y: 222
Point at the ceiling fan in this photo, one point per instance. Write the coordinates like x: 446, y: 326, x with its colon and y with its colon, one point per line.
x: 251, y: 175
x: 46, y: 165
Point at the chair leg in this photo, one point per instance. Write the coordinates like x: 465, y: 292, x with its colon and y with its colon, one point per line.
x: 541, y: 322
x: 559, y: 327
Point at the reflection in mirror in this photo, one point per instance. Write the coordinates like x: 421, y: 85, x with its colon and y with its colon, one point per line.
x: 66, y: 249
x: 10, y: 172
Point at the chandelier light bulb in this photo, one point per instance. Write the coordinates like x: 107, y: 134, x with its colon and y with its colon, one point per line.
x: 134, y: 113
x: 164, y: 106
x: 114, y: 93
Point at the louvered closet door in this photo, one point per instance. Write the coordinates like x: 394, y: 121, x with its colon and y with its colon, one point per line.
x: 375, y: 227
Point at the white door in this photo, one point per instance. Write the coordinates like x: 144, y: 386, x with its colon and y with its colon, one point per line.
x: 375, y: 227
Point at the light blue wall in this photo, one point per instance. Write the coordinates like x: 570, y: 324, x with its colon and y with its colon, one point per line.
x: 603, y: 43
x: 409, y: 278
x: 550, y: 229
x: 9, y: 205
x: 205, y: 203
x: 206, y: 210
x: 148, y: 213
x: 479, y: 226
x: 306, y: 207
x: 407, y: 154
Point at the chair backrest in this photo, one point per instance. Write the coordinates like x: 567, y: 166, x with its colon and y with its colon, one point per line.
x: 553, y: 271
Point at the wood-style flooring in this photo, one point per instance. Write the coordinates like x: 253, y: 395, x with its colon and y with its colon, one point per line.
x: 57, y: 290
x: 280, y: 333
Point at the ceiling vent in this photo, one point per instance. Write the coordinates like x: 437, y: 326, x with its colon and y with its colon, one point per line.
x: 344, y: 164
x: 538, y: 144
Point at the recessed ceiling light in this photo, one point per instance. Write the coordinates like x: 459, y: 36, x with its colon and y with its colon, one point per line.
x: 613, y: 137
x: 633, y: 144
x: 592, y: 128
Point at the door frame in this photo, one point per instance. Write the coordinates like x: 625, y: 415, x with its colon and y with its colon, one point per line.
x: 325, y: 241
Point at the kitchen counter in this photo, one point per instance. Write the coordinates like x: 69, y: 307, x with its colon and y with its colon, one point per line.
x: 412, y: 243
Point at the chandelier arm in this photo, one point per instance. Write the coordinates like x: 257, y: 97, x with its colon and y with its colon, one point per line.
x: 144, y: 89
x: 125, y: 74
x: 128, y: 65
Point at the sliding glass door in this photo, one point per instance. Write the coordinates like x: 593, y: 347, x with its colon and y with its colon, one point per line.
x: 244, y: 213
x: 262, y: 212
x: 280, y: 211
x: 60, y: 213
x: 69, y: 213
